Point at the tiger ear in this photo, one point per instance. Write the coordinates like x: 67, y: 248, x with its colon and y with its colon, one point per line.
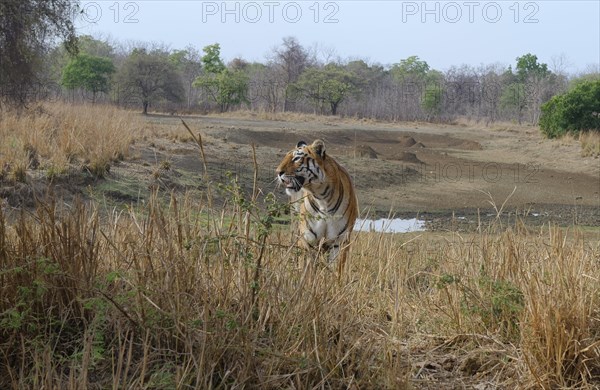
x: 301, y: 144
x: 319, y: 147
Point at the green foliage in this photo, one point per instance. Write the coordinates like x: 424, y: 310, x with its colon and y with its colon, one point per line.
x: 185, y: 62
x: 58, y: 57
x: 525, y: 89
x: 429, y: 82
x: 410, y: 69
x: 226, y: 87
x: 94, y: 47
x: 527, y: 65
x: 499, y: 305
x: 432, y: 101
x: 434, y: 92
x: 329, y: 85
x: 575, y: 111
x: 366, y: 75
x: 88, y: 72
x: 212, y: 59
x: 29, y: 294
x: 263, y: 216
x: 150, y: 76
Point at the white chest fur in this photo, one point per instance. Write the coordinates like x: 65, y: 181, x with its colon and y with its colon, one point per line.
x: 321, y: 224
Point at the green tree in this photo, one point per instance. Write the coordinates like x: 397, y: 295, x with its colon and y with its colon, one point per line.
x: 149, y: 77
x: 328, y: 85
x: 528, y: 66
x: 212, y: 59
x: 410, y: 69
x: 28, y: 28
x: 58, y: 57
x: 95, y: 47
x: 226, y: 87
x: 532, y: 84
x: 424, y: 83
x: 366, y: 75
x: 433, y: 94
x: 88, y: 72
x: 574, y: 111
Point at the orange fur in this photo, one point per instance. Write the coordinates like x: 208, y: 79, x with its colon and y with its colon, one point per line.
x: 324, y: 197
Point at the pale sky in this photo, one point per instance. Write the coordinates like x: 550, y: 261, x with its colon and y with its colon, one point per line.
x: 443, y: 33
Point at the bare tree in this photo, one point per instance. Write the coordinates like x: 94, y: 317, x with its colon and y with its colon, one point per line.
x: 267, y: 91
x: 188, y: 65
x: 290, y: 60
x: 559, y: 64
x: 324, y: 54
x: 491, y: 91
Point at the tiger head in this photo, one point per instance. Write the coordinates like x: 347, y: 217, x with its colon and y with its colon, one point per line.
x: 303, y: 167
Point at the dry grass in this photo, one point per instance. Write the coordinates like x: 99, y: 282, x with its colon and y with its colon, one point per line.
x: 181, y: 296
x: 494, y: 126
x: 294, y: 117
x: 590, y: 144
x: 589, y: 141
x: 280, y: 116
x: 178, y: 294
x: 59, y: 136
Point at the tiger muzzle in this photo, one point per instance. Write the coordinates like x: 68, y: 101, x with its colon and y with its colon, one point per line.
x: 291, y: 182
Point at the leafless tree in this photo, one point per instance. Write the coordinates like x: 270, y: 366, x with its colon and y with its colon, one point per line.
x: 267, y: 91
x: 559, y: 64
x: 190, y: 67
x: 290, y: 60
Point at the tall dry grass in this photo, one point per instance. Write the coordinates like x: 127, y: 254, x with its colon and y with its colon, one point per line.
x: 177, y: 295
x: 590, y: 143
x: 58, y: 136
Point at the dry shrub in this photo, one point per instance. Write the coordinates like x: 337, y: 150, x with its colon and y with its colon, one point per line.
x: 590, y: 144
x: 179, y: 295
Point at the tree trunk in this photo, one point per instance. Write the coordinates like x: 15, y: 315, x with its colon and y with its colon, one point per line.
x: 189, y: 94
x: 145, y: 107
x: 334, y: 107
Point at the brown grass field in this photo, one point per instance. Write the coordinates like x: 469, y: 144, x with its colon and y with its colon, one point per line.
x: 201, y: 287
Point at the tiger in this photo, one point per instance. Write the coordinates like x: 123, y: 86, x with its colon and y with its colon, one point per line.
x: 323, y: 196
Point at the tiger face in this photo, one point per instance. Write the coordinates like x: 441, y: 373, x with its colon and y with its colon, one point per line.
x: 323, y: 195
x: 302, y: 167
